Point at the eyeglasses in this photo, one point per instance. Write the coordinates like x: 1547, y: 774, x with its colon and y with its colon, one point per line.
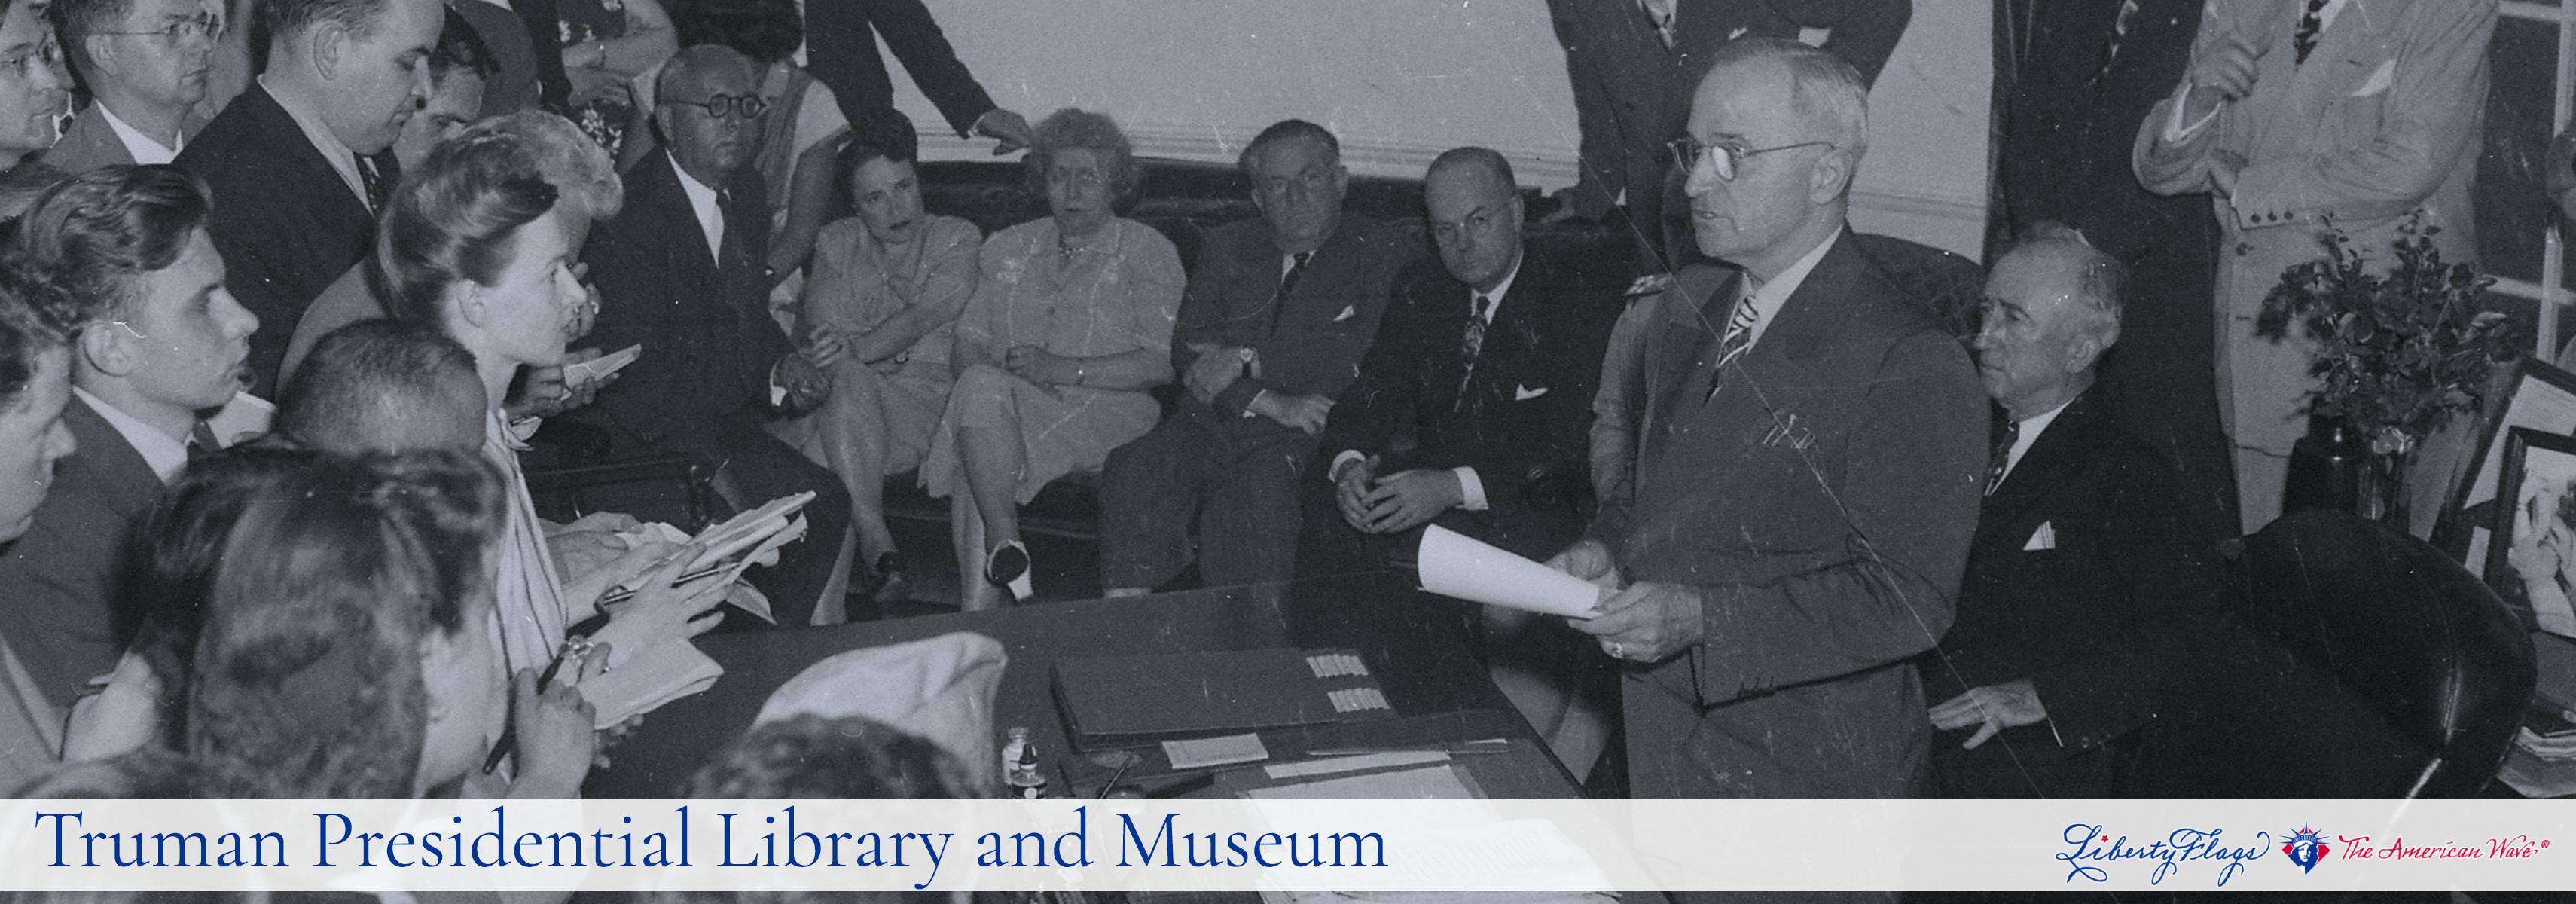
x: 1076, y: 178
x: 748, y: 106
x: 1688, y: 152
x: 1477, y: 222
x: 48, y: 55
x: 202, y: 25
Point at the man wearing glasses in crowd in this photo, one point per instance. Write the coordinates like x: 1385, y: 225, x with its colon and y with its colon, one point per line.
x: 1804, y: 468
x: 145, y: 62
x: 679, y: 272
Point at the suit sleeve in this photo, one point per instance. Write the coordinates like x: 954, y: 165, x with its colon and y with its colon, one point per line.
x: 916, y: 39
x: 2174, y: 585
x: 2435, y: 97
x: 627, y: 272
x: 1371, y: 410
x: 1910, y: 491
x: 1596, y: 122
x: 1201, y: 319
x: 1618, y: 397
x: 1864, y: 33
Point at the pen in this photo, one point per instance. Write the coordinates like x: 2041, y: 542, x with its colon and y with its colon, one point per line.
x: 577, y: 646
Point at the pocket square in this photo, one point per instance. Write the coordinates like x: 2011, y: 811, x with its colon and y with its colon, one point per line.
x: 2379, y: 80
x: 1524, y: 393
x: 2043, y: 538
x: 1348, y: 311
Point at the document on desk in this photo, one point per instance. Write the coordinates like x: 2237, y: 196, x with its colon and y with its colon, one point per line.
x: 1452, y: 564
x: 1431, y: 783
x: 1200, y: 753
x: 1387, y: 760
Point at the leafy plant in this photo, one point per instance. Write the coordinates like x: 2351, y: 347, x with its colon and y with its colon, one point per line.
x: 2396, y: 354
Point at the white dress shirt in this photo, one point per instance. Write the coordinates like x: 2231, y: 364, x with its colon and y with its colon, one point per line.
x: 143, y: 148
x: 702, y: 201
x: 2028, y: 431
x: 163, y: 453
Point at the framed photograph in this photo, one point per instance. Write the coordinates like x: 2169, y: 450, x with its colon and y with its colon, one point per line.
x: 2542, y: 398
x: 2531, y: 562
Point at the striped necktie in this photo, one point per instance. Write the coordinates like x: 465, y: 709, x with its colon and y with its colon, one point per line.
x: 1739, y: 336
x: 1472, y: 343
x: 2000, y: 459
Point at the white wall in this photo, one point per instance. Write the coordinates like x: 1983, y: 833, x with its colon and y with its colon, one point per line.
x: 1401, y: 80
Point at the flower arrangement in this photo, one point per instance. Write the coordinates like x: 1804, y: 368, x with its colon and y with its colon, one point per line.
x: 2396, y: 354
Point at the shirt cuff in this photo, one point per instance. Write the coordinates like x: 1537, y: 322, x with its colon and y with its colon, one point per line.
x: 1333, y: 474
x: 2176, y: 132
x: 1471, y: 489
x: 777, y: 391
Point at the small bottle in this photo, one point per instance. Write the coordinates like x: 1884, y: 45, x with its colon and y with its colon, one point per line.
x: 1020, y: 766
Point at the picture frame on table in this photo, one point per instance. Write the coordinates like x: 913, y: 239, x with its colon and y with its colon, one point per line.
x: 2531, y: 562
x: 2541, y: 398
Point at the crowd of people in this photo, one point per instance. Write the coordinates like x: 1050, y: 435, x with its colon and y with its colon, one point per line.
x: 1842, y: 550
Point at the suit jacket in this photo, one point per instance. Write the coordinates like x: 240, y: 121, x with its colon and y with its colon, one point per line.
x: 1820, y: 504
x: 59, y: 583
x: 1313, y: 343
x: 841, y: 41
x: 1632, y: 93
x: 284, y: 221
x: 2383, y: 119
x: 1521, y: 418
x: 91, y: 143
x: 2086, y: 578
x: 709, y: 341
x: 2072, y: 112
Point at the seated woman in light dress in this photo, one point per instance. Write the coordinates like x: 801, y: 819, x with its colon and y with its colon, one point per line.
x: 1068, y: 330
x: 879, y: 313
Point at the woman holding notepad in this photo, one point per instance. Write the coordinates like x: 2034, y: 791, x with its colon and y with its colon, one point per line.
x: 477, y: 245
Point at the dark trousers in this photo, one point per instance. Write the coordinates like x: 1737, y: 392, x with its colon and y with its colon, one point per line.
x: 2024, y: 761
x: 753, y: 468
x: 1238, y: 484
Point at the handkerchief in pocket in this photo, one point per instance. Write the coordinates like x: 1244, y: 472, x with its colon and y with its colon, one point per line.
x: 1348, y: 311
x: 2043, y: 538
x: 1524, y: 393
x: 2379, y: 80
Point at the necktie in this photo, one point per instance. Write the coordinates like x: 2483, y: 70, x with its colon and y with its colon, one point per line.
x: 728, y: 247
x: 2310, y: 23
x: 2119, y: 30
x: 2001, y: 458
x: 1739, y: 336
x: 1660, y: 14
x: 370, y: 181
x: 1287, y: 284
x: 1472, y: 343
x: 201, y: 442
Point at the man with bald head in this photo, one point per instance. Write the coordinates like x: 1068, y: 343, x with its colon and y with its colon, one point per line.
x: 1470, y: 413
x: 2085, y: 584
x: 679, y: 272
x: 1806, y: 462
x: 297, y: 162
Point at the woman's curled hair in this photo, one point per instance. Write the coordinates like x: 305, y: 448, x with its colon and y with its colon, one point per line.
x: 453, y: 222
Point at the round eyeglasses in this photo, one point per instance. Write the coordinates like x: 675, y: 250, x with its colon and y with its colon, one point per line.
x: 1688, y: 152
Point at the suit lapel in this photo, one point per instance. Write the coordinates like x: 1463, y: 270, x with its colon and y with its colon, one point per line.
x: 124, y: 479
x: 2060, y: 452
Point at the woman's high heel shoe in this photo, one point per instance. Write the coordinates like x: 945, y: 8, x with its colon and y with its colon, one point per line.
x: 887, y: 584
x: 1008, y: 566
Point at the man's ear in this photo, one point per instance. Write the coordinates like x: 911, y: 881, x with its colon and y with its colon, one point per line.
x: 327, y: 44
x: 662, y: 124
x: 101, y: 52
x: 1829, y: 177
x: 109, y: 348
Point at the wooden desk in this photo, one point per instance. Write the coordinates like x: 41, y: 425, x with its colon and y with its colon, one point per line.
x: 1414, y: 642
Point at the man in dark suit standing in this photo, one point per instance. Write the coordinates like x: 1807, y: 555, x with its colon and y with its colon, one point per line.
x: 297, y: 162
x: 121, y: 253
x: 679, y: 271
x: 2075, y: 78
x: 1470, y: 412
x: 145, y: 62
x: 1807, y: 462
x: 1634, y: 64
x: 841, y: 42
x: 1271, y: 330
x: 2086, y: 582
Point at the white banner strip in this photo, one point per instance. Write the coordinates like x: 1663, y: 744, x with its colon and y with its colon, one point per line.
x: 1287, y: 845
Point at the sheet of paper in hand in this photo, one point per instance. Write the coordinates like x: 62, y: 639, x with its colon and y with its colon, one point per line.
x: 584, y: 373
x: 1452, y: 564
